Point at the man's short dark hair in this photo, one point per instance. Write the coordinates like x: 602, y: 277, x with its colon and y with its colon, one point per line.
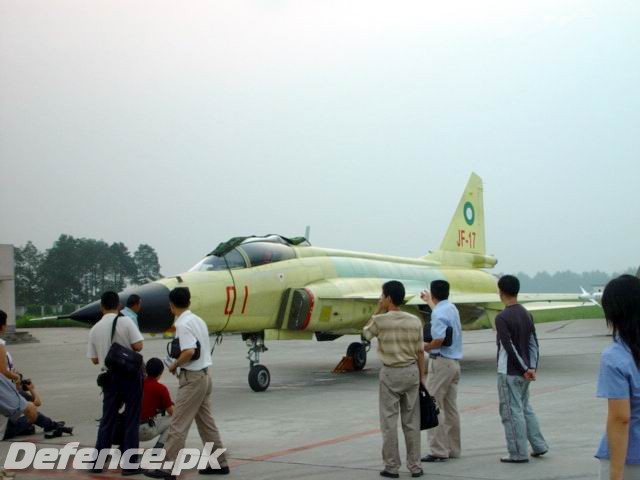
x: 509, y: 285
x: 154, y: 367
x: 180, y: 297
x: 3, y: 318
x: 440, y: 289
x: 395, y: 290
x: 110, y: 300
x: 133, y: 300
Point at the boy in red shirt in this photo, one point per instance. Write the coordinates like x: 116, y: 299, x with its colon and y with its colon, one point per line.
x: 157, y: 406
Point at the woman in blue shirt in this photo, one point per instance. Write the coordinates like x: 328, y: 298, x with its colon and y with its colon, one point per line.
x: 619, y: 381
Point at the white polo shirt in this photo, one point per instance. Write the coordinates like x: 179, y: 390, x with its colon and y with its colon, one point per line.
x: 189, y: 329
x: 126, y: 334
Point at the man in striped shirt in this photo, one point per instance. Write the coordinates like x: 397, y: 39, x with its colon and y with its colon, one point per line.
x: 400, y: 349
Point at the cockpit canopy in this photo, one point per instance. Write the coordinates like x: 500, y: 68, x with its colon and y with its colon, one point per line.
x: 248, y: 252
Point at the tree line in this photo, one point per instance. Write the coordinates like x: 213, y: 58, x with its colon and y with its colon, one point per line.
x: 566, y: 281
x: 78, y: 270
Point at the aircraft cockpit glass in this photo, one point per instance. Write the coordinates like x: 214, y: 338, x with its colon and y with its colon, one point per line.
x: 261, y: 253
x: 234, y: 259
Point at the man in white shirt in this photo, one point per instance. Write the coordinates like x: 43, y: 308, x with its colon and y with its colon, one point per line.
x: 119, y: 389
x: 194, y: 396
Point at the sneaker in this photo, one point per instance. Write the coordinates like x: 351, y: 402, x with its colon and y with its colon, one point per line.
x: 417, y: 473
x: 214, y: 471
x: 538, y: 454
x: 55, y: 433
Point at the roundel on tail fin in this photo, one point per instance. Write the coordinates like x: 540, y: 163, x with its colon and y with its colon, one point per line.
x: 469, y: 213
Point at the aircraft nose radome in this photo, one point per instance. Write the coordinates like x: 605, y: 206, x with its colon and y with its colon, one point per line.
x: 88, y: 314
x: 154, y: 316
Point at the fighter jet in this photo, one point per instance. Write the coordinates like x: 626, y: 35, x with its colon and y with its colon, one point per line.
x: 277, y: 288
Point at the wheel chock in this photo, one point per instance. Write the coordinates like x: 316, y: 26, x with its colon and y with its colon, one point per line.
x: 345, y: 365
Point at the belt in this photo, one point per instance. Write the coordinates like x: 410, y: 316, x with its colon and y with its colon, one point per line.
x: 439, y: 355
x: 399, y: 366
x: 203, y: 370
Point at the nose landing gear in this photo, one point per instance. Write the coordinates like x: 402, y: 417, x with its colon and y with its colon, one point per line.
x: 358, y: 353
x: 259, y: 376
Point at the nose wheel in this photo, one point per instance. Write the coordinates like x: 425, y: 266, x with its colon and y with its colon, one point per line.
x: 259, y: 376
x: 358, y: 353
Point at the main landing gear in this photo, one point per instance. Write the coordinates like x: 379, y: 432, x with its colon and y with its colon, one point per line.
x: 259, y: 376
x: 357, y: 351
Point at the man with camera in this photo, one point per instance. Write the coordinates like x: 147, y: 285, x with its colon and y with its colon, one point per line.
x: 119, y: 384
x: 194, y: 395
x: 24, y: 426
x: 443, y: 373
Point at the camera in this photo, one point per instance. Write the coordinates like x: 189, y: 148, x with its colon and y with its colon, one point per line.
x: 25, y: 382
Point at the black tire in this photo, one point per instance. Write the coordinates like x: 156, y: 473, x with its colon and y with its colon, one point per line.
x: 259, y: 378
x: 358, y: 352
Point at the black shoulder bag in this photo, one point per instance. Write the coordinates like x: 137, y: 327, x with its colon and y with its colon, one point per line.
x: 428, y: 410
x: 122, y: 360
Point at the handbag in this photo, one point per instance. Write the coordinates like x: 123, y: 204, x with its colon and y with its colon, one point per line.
x: 122, y: 360
x: 448, y: 335
x: 428, y: 409
x: 173, y: 349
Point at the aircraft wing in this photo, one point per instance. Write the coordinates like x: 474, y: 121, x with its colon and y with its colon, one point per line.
x: 369, y: 289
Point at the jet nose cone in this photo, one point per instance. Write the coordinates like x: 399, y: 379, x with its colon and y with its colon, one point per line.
x: 154, y: 316
x: 88, y: 314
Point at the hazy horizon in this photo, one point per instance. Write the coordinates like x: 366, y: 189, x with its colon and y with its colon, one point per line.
x: 182, y: 125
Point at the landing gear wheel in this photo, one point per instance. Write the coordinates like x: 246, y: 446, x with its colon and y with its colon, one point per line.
x: 259, y: 378
x: 358, y: 352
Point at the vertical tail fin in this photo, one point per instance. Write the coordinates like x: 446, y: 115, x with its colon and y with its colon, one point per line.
x: 466, y: 230
x: 464, y: 242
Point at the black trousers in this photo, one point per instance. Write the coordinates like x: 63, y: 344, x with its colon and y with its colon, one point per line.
x: 22, y: 426
x: 120, y: 391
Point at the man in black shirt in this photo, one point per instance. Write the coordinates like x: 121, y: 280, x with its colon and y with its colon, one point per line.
x: 518, y: 355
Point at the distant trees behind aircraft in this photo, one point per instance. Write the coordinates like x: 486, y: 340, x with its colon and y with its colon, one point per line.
x: 78, y: 270
x: 566, y: 281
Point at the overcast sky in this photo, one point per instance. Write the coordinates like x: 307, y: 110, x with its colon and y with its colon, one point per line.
x: 181, y: 124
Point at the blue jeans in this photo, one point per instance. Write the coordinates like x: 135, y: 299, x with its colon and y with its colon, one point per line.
x: 518, y: 419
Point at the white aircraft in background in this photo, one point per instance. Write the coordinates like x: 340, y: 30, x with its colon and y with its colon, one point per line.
x: 594, y: 297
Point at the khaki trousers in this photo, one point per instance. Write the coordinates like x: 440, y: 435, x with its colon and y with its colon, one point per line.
x: 160, y: 427
x: 399, y: 395
x: 193, y: 403
x: 442, y: 383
